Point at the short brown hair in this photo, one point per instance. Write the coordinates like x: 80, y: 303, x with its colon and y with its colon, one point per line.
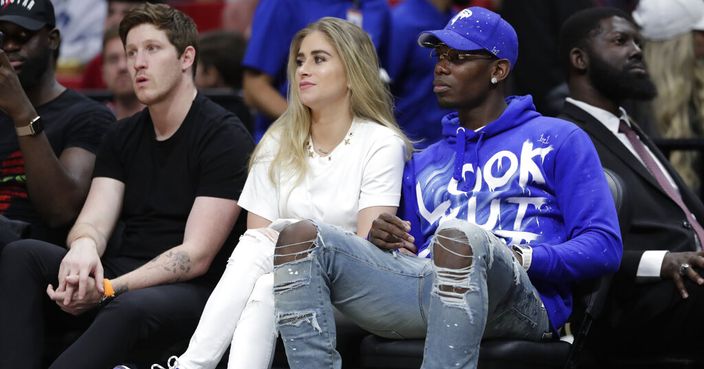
x: 180, y: 29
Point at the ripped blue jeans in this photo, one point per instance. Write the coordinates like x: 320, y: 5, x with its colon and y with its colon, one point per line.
x: 399, y: 296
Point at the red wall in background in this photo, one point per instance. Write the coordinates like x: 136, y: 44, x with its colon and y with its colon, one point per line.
x: 207, y: 15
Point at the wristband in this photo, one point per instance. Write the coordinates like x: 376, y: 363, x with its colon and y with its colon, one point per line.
x: 526, y: 253
x: 108, y: 291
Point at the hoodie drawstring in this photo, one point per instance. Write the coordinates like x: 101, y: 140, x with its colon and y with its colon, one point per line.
x: 460, y: 146
x: 460, y: 142
x: 477, y: 146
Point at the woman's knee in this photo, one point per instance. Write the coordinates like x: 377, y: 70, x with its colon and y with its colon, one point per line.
x: 295, y: 241
x: 261, y: 234
x: 254, y: 244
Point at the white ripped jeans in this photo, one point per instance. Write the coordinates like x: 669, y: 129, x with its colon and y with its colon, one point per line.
x: 240, y: 311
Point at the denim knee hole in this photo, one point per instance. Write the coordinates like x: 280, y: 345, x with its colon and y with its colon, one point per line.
x: 297, y: 318
x: 452, y: 282
x: 292, y: 275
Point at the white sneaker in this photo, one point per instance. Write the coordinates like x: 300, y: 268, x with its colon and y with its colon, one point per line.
x: 172, y: 363
x: 121, y: 367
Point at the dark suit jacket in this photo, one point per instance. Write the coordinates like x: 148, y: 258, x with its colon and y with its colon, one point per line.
x: 649, y: 219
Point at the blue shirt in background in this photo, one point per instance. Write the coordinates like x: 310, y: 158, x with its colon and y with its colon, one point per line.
x: 411, y: 71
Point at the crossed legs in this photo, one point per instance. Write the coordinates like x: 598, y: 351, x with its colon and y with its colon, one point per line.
x: 240, y: 311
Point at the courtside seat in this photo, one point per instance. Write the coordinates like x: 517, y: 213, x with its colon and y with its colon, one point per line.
x: 405, y: 354
x: 381, y: 353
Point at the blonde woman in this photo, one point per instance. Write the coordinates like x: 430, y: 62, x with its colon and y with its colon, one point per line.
x: 671, y: 64
x: 336, y: 155
x: 669, y: 53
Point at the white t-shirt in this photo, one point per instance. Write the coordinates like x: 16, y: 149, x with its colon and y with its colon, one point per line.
x: 364, y: 170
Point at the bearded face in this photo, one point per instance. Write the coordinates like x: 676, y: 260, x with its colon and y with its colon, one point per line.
x: 630, y: 81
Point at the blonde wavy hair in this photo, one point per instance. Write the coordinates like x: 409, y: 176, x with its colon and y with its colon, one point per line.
x: 672, y: 68
x: 698, y: 93
x: 369, y: 97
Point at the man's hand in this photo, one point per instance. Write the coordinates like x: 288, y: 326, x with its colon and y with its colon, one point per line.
x: 391, y: 233
x: 13, y: 100
x: 671, y: 264
x: 76, y: 305
x: 78, y: 266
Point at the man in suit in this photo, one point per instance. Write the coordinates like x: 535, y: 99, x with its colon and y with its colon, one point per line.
x: 658, y: 298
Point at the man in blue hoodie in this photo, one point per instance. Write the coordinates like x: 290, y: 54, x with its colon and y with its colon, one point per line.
x: 497, y: 222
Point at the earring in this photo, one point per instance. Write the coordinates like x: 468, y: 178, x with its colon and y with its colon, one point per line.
x: 494, y: 80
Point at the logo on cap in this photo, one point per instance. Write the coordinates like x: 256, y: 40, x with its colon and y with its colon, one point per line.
x: 28, y: 14
x: 476, y: 28
x: 466, y: 13
x: 23, y: 3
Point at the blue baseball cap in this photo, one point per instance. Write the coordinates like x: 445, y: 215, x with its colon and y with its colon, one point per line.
x: 476, y: 28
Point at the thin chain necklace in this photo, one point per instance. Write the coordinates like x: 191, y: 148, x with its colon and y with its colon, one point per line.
x: 321, y: 151
x: 312, y: 149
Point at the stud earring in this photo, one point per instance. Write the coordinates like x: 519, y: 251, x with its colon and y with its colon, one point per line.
x: 494, y: 80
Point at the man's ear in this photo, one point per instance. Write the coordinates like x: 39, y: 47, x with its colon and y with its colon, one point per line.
x: 54, y: 38
x: 579, y: 59
x: 188, y: 57
x: 501, y: 69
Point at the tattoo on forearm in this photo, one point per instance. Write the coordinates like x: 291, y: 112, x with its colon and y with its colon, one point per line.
x: 121, y: 289
x: 177, y: 262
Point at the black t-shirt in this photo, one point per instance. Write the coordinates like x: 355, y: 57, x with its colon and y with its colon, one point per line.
x: 206, y: 156
x: 70, y: 120
x: 232, y: 101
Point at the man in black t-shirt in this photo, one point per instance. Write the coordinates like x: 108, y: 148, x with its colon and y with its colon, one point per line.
x: 48, y: 134
x: 171, y: 176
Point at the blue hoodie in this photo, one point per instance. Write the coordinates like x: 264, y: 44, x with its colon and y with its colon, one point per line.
x: 528, y: 179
